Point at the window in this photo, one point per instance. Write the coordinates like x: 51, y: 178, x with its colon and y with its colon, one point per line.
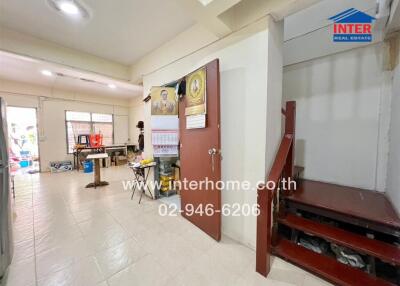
x: 77, y: 116
x: 81, y: 123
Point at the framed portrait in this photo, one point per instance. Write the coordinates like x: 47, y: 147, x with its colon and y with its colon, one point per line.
x: 163, y: 101
x: 196, y: 87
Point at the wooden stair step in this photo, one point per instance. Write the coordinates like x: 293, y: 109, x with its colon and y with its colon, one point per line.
x: 325, y: 266
x: 384, y: 251
x: 354, y: 204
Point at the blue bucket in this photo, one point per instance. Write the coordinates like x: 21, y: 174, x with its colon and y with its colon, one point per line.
x: 87, y: 166
x: 24, y: 163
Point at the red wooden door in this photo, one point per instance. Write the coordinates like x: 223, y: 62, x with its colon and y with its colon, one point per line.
x: 197, y: 163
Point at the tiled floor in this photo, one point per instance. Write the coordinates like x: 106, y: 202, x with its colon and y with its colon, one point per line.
x: 68, y: 235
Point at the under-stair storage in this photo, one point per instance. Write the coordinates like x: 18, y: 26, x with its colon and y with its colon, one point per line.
x: 386, y: 252
x: 325, y: 266
x: 345, y: 235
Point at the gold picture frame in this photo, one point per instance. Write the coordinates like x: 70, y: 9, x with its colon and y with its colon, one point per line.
x: 163, y: 101
x: 196, y: 92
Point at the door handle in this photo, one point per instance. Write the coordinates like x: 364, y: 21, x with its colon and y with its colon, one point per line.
x: 212, y: 152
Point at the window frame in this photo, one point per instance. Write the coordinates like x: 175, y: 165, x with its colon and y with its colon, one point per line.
x: 91, y: 123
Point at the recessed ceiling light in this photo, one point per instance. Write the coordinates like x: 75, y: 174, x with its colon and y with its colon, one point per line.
x: 69, y: 7
x: 112, y: 86
x: 205, y: 2
x: 47, y: 73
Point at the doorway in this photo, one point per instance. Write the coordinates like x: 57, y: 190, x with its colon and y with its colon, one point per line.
x: 23, y: 139
x: 199, y: 159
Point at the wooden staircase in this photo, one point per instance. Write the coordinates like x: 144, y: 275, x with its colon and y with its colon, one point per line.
x: 348, y: 217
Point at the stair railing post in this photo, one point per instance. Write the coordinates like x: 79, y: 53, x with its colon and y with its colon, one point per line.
x: 263, y: 240
x: 290, y: 129
x: 268, y: 199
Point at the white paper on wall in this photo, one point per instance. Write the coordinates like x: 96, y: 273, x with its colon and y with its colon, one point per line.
x: 196, y: 121
x: 164, y: 122
x: 165, y: 137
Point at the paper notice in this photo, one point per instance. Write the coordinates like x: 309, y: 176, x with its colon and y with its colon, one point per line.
x: 196, y: 121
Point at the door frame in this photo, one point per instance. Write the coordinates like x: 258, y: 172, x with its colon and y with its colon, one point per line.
x: 37, y: 129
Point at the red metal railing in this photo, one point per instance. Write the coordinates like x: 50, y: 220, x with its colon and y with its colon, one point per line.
x: 268, y: 196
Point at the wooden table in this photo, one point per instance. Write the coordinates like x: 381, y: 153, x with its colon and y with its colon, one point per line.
x: 97, y: 181
x: 79, y: 150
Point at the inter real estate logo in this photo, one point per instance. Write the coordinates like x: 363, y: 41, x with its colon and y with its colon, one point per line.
x: 352, y: 26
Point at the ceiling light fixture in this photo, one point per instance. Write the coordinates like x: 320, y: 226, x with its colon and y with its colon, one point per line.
x: 205, y: 2
x: 112, y: 86
x: 47, y: 73
x: 71, y: 8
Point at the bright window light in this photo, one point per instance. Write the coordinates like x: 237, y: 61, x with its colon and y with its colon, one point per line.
x: 47, y: 73
x: 69, y: 7
x: 112, y: 86
x: 77, y: 116
x: 99, y: 117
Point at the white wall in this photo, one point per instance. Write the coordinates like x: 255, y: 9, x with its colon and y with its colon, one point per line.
x: 342, y: 101
x: 393, y: 178
x: 136, y: 113
x: 51, y: 106
x: 121, y: 127
x: 274, y: 91
x: 243, y: 69
x: 184, y: 43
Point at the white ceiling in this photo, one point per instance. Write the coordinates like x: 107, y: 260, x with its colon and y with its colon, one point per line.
x: 18, y: 68
x: 122, y: 31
